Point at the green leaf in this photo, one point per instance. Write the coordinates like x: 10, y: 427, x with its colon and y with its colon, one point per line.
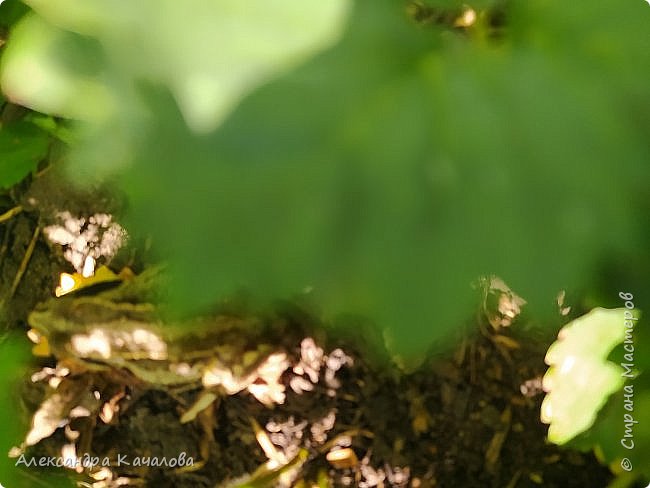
x: 14, y: 371
x: 209, y: 54
x: 11, y: 11
x: 389, y: 172
x: 385, y: 173
x: 55, y: 72
x: 620, y: 433
x: 22, y: 146
x: 580, y: 379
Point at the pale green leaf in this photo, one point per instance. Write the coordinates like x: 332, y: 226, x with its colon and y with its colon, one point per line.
x: 55, y: 72
x: 209, y: 53
x: 580, y: 379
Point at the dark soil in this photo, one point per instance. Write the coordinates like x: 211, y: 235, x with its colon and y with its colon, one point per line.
x: 459, y: 421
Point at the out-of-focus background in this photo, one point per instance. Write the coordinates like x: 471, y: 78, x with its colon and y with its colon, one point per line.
x: 383, y: 154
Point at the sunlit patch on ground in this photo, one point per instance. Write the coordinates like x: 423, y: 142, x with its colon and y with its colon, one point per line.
x: 86, y: 239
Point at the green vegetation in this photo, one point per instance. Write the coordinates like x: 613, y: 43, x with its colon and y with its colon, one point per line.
x: 386, y: 172
x: 581, y: 380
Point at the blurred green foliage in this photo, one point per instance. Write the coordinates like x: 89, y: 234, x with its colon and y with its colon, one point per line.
x: 10, y: 12
x: 16, y: 359
x: 22, y: 143
x: 15, y: 354
x: 22, y: 146
x: 386, y: 172
x: 83, y: 57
